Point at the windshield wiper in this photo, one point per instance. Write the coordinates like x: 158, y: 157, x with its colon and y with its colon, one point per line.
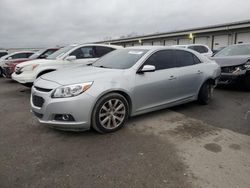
x: 101, y: 66
x: 90, y: 64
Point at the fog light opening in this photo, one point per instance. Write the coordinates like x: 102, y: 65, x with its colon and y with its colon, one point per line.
x: 64, y: 117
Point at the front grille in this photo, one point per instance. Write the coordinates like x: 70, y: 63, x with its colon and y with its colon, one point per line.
x: 231, y: 69
x: 42, y: 89
x: 37, y: 101
x: 38, y: 115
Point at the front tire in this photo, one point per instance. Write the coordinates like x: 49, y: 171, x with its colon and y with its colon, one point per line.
x: 110, y: 113
x: 206, y: 93
x: 247, y: 82
x: 1, y: 72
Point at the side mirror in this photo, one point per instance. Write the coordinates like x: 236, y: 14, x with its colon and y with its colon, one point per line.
x: 43, y: 56
x: 147, y: 68
x: 9, y: 58
x: 71, y: 58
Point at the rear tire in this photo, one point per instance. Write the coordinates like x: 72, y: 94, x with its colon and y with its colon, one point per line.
x: 206, y: 93
x: 110, y: 113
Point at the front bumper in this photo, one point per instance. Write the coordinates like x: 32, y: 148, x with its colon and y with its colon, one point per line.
x: 23, y: 78
x: 230, y: 78
x: 7, y: 71
x: 80, y: 107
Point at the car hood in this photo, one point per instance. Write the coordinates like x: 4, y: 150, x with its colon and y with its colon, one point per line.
x: 37, y: 61
x: 80, y: 74
x: 231, y: 60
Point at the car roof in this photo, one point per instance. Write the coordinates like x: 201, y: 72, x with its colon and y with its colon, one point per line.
x: 92, y: 44
x: 155, y: 47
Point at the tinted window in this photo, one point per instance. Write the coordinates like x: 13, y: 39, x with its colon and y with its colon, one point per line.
x: 101, y: 51
x: 162, y: 60
x: 29, y: 54
x: 196, y: 60
x: 84, y: 52
x: 3, y: 54
x: 200, y: 49
x: 184, y: 58
x: 21, y: 55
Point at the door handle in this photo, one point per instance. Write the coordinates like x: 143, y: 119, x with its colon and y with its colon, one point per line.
x: 172, y: 78
x: 199, y: 72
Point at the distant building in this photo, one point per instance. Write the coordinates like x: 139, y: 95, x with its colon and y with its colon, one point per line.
x: 216, y: 36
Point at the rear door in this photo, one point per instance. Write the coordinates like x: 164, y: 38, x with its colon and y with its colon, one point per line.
x: 190, y: 73
x: 156, y: 88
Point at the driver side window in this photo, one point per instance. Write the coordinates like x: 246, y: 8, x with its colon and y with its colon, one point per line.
x: 83, y: 52
x: 163, y: 59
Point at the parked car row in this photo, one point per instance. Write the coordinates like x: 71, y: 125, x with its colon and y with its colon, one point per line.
x: 72, y: 55
x: 101, y: 86
x: 10, y: 64
x: 15, y: 55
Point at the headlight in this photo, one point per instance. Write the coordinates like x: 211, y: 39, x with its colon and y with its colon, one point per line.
x: 29, y: 67
x: 71, y: 90
x: 247, y: 65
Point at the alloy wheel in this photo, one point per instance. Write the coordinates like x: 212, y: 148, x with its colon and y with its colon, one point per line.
x: 112, y: 114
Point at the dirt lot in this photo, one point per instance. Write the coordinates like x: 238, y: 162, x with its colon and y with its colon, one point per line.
x: 185, y: 146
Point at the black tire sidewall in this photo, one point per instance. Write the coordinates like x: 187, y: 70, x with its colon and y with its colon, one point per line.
x: 95, y: 115
x: 1, y: 72
x: 203, y: 97
x: 247, y: 82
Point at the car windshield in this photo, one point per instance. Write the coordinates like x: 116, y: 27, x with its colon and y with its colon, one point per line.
x: 37, y: 54
x: 59, y: 53
x: 4, y: 57
x: 234, y: 51
x: 120, y: 59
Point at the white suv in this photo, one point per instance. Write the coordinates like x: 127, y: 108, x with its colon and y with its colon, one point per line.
x: 26, y: 73
x: 201, y: 48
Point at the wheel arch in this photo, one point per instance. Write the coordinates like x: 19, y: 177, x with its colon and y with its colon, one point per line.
x: 119, y: 91
x: 44, y: 72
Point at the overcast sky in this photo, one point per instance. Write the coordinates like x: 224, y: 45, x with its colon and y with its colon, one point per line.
x: 40, y: 23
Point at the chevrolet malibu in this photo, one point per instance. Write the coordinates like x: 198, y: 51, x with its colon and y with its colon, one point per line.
x: 123, y: 83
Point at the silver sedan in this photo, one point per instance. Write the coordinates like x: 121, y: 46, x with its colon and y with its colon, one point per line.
x: 124, y: 83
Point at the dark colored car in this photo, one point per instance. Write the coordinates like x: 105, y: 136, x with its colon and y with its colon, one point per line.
x: 218, y: 50
x: 234, y: 61
x: 9, y: 66
x: 3, y: 53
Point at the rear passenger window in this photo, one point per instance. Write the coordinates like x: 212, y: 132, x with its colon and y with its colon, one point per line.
x: 196, y: 60
x: 162, y: 60
x: 184, y: 58
x: 83, y: 52
x: 20, y: 55
x: 101, y: 51
x: 28, y: 55
x: 200, y: 49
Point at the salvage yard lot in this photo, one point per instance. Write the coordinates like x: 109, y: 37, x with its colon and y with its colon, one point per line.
x: 185, y: 146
